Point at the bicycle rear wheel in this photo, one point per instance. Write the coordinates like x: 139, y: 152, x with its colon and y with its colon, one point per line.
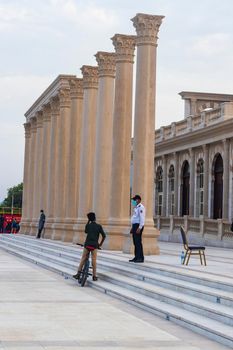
x: 84, y: 273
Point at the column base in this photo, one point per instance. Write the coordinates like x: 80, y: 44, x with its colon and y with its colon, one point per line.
x: 33, y: 227
x: 79, y: 231
x: 48, y: 230
x: 149, y: 241
x: 115, y: 235
x: 25, y: 227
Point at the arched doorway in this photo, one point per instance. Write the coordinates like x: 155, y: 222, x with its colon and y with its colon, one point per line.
x: 218, y: 187
x: 185, y: 188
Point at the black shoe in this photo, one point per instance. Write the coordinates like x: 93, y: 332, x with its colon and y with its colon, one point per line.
x: 132, y: 260
x: 139, y: 261
x: 94, y: 278
x: 77, y: 276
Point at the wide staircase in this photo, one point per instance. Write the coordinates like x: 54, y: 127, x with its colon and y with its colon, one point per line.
x: 198, y: 300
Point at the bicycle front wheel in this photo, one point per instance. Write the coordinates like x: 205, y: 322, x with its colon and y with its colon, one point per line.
x: 85, y: 273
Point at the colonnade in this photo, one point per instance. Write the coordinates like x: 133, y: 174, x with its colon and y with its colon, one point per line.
x: 78, y: 144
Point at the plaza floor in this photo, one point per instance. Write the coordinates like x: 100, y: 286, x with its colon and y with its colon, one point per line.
x: 41, y: 310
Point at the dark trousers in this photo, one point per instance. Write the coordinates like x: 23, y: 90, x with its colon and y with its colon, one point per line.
x: 137, y: 241
x: 39, y: 232
x: 1, y: 229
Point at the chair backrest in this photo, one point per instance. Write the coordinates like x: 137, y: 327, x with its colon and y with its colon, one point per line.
x: 184, y: 238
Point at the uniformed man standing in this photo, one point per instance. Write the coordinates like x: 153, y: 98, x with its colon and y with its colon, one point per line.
x: 137, y: 221
x: 41, y: 223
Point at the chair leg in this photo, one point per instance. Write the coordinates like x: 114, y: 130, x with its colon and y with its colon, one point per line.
x: 204, y: 257
x: 189, y: 254
x: 183, y: 263
x: 200, y: 256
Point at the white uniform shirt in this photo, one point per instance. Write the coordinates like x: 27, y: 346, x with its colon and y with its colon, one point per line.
x: 138, y: 216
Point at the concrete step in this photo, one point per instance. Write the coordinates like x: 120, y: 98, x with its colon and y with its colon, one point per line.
x: 213, y: 329
x: 71, y: 261
x: 182, y: 273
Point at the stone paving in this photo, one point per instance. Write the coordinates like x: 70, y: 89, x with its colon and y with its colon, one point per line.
x: 41, y: 310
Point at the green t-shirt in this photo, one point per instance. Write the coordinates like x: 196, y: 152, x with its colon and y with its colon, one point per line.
x: 93, y: 230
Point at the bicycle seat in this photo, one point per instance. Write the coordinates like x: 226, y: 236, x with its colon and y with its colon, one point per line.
x: 90, y: 247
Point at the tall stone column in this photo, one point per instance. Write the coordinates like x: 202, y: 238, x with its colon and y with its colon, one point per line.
x: 31, y: 171
x: 52, y: 157
x: 176, y: 182
x: 119, y: 222
x: 72, y: 181
x: 226, y: 172
x: 103, y: 146
x: 147, y: 28
x: 45, y: 159
x: 90, y: 90
x: 164, y: 209
x: 61, y: 163
x: 24, y: 224
x: 37, y: 172
x: 206, y: 180
x: 192, y: 181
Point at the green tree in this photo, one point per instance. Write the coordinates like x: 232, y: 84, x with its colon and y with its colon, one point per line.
x: 14, y: 193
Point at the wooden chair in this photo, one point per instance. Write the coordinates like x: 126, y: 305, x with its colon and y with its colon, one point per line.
x: 191, y: 250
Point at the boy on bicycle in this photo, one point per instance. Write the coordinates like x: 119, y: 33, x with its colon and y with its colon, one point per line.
x: 93, y: 230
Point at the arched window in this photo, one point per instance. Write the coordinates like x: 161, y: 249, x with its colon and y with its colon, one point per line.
x: 218, y: 186
x: 185, y: 178
x: 200, y: 187
x: 159, y: 190
x: 171, y: 176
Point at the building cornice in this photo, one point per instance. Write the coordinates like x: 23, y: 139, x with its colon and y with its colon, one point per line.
x: 196, y: 138
x: 61, y: 82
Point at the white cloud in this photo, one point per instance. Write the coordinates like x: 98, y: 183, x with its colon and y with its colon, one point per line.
x: 211, y: 44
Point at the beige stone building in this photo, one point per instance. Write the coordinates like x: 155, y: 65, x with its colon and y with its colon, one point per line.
x: 78, y: 144
x: 194, y: 168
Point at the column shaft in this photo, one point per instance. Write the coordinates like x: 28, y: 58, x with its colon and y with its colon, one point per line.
x: 26, y: 176
x: 191, y: 186
x: 103, y: 146
x: 90, y: 88
x: 32, y: 168
x: 206, y: 180
x: 122, y: 126
x: 37, y: 171
x: 62, y: 155
x: 74, y: 150
x: 164, y: 211
x: 176, y: 168
x: 147, y: 28
x: 45, y: 159
x: 55, y: 111
x: 226, y: 172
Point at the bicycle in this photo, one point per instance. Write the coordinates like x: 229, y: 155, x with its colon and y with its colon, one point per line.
x: 84, y: 274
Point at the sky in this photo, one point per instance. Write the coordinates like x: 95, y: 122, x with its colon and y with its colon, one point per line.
x: 40, y: 39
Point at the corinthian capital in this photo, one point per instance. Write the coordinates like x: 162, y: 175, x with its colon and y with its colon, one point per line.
x: 90, y: 77
x: 39, y: 119
x: 55, y: 107
x: 147, y: 28
x: 106, y: 63
x: 124, y: 47
x: 64, y: 98
x: 33, y: 122
x: 46, y: 113
x: 76, y: 88
x: 27, y: 129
